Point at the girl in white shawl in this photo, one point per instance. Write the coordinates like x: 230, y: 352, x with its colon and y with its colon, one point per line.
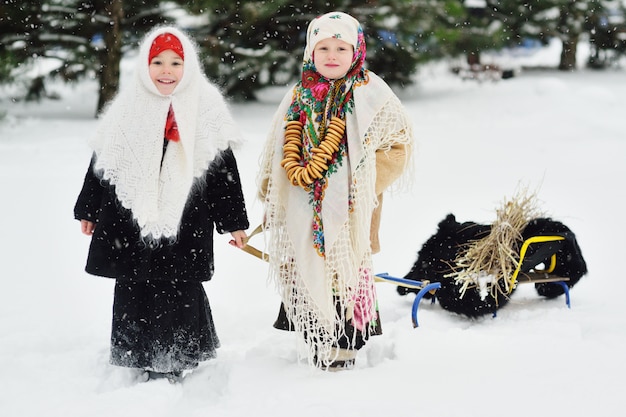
x: 340, y: 137
x: 162, y: 178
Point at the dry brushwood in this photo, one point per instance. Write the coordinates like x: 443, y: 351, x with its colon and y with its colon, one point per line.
x: 496, y: 255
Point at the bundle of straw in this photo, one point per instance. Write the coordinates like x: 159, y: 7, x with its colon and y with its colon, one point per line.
x: 497, y: 254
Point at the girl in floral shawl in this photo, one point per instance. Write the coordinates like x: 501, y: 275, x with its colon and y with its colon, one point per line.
x: 339, y: 138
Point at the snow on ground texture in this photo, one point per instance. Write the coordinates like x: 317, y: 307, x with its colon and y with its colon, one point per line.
x: 560, y: 133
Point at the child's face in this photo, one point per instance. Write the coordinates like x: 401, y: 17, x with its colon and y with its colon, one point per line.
x: 166, y: 71
x: 333, y: 57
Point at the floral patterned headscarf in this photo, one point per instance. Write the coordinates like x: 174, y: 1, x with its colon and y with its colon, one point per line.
x: 315, y: 101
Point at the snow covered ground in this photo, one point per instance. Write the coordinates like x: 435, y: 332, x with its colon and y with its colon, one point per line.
x: 562, y: 134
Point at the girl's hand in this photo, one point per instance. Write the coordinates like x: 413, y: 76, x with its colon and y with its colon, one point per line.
x: 87, y: 227
x: 239, y: 238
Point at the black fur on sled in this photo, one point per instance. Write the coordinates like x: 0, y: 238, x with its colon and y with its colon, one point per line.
x: 436, y: 258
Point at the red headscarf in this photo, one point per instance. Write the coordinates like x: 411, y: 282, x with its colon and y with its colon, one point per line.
x: 162, y: 43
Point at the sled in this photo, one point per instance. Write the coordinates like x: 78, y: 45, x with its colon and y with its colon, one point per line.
x: 423, y: 286
x: 481, y: 73
x: 535, y: 251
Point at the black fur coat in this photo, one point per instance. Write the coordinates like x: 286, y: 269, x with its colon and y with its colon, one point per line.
x: 117, y: 250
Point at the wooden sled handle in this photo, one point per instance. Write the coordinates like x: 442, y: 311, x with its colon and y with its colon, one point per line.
x: 251, y: 249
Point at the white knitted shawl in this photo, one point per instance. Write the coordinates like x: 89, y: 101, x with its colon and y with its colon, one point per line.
x: 129, y: 141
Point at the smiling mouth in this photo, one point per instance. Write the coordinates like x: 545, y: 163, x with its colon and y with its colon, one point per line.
x: 167, y: 81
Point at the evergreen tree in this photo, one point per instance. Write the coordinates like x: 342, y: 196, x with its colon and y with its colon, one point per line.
x: 86, y: 38
x: 544, y: 19
x: 563, y: 19
x: 471, y: 27
x: 480, y: 30
x: 18, y: 20
x: 607, y: 34
x: 521, y: 20
x: 399, y: 35
x: 248, y: 45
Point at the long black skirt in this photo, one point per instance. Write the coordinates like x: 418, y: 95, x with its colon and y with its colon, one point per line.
x: 162, y: 326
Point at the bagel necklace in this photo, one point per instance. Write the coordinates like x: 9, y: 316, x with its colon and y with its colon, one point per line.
x: 302, y: 172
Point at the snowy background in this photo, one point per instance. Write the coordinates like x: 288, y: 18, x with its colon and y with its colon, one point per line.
x: 560, y: 133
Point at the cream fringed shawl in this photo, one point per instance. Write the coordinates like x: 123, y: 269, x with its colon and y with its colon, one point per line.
x: 129, y: 141
x: 309, y: 283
